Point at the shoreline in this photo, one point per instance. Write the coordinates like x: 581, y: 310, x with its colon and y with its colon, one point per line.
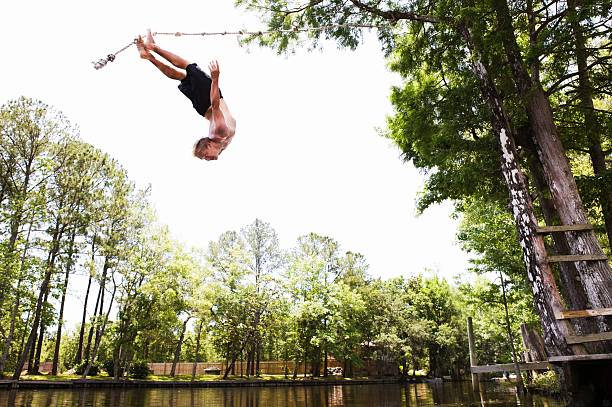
x: 136, y: 383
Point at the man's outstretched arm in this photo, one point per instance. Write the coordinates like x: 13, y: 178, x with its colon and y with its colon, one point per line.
x: 215, y: 94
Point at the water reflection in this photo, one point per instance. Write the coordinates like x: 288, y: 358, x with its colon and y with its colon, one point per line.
x: 409, y: 395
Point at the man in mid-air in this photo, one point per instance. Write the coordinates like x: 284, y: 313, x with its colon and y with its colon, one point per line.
x: 203, y: 91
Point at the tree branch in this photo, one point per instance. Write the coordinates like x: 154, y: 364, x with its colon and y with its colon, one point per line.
x: 395, y: 15
x: 567, y: 76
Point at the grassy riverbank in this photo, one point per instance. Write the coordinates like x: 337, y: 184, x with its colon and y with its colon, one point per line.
x: 186, y: 378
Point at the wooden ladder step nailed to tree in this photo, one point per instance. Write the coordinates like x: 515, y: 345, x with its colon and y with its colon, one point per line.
x: 577, y: 257
x: 599, y: 312
x: 602, y: 336
x: 543, y: 230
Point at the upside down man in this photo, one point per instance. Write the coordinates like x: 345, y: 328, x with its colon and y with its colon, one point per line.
x: 203, y: 91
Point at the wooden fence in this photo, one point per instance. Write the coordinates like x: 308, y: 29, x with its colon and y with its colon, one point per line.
x: 265, y: 367
x: 369, y: 368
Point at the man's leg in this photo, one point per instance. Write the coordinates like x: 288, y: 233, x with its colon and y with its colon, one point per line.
x: 167, y: 70
x: 174, y: 59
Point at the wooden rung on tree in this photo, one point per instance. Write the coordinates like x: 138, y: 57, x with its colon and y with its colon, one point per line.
x: 585, y: 313
x: 603, y: 336
x: 580, y: 358
x: 563, y: 228
x: 577, y: 257
x: 506, y: 367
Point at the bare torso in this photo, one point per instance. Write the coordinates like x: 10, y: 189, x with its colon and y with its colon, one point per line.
x: 222, y: 127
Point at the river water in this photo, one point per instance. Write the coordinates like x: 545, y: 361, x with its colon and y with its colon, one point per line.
x: 371, y: 395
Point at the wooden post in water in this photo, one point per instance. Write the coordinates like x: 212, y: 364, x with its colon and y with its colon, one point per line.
x: 472, y: 348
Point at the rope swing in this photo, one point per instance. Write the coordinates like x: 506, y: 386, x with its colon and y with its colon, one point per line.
x: 101, y: 63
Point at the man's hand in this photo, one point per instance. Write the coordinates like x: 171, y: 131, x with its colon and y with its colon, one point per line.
x: 214, y: 69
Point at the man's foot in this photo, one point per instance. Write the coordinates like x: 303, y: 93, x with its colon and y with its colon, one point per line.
x: 149, y: 42
x: 140, y: 45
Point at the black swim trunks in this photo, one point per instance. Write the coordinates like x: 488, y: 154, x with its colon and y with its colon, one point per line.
x: 196, y: 86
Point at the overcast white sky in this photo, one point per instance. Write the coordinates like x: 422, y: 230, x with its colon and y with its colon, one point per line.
x: 307, y: 156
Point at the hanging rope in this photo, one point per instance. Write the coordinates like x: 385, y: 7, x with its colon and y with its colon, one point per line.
x: 101, y: 63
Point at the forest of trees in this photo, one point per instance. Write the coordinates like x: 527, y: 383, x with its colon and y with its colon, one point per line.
x: 77, y: 234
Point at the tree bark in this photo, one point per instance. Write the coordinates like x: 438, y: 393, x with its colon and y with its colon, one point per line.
x: 197, y: 351
x: 596, y: 276
x: 177, y: 350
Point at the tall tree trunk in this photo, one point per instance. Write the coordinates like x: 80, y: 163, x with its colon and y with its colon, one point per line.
x: 94, y: 353
x: 257, y: 359
x: 197, y: 351
x: 296, y: 366
x: 179, y: 345
x: 596, y: 276
x: 92, y: 326
x: 102, y: 293
x: 35, y: 367
x: 591, y: 124
x: 248, y: 365
x: 58, y: 336
x: 31, y: 354
x: 547, y: 299
x: 251, y: 355
x: 325, y: 364
x: 24, y: 332
x: 79, y: 352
